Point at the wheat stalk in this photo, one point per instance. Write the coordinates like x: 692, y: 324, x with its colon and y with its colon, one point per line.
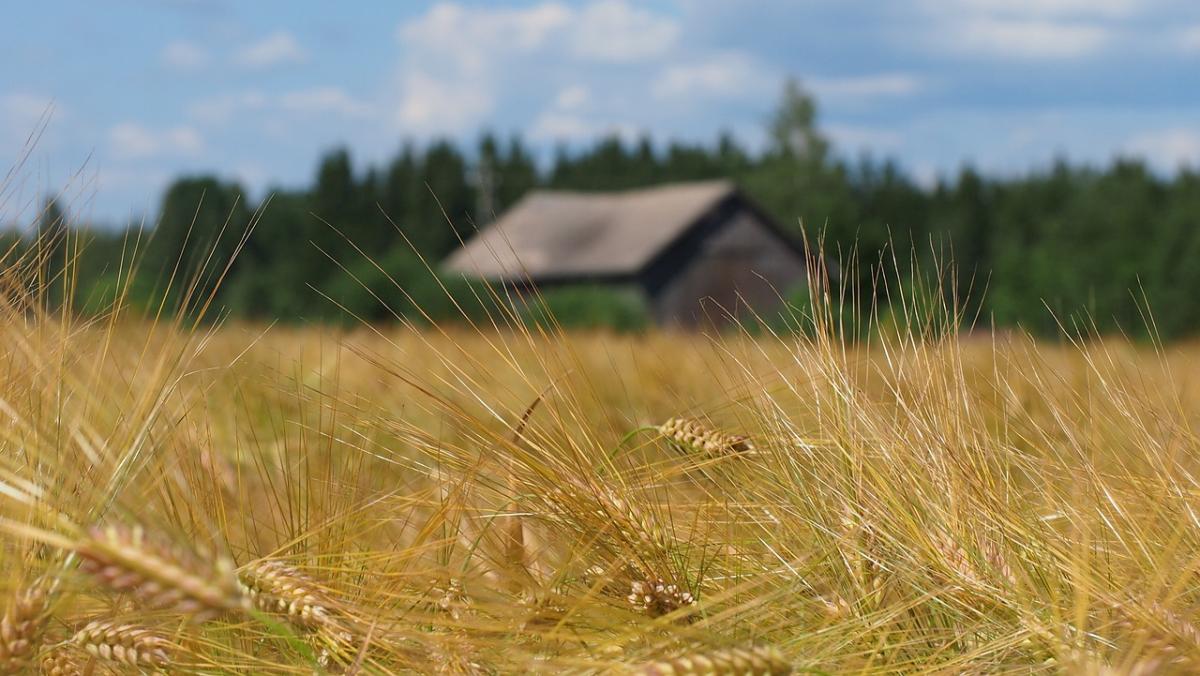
x: 756, y: 661
x: 693, y: 436
x: 22, y: 626
x: 124, y: 643
x: 124, y: 559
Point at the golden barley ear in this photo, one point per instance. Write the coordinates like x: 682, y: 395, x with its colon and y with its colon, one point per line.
x: 163, y: 577
x: 955, y: 561
x: 1168, y: 639
x: 693, y: 436
x: 756, y: 661
x: 658, y: 597
x: 127, y: 644
x: 637, y: 527
x: 67, y: 661
x: 279, y: 589
x: 22, y: 626
x: 275, y: 587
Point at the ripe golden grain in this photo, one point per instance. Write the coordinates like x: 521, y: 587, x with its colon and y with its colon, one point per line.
x: 124, y: 643
x: 639, y: 528
x: 757, y: 661
x: 658, y: 597
x: 958, y: 562
x: 1168, y: 638
x: 67, y: 660
x: 694, y: 436
x: 275, y: 587
x: 21, y: 628
x: 163, y: 577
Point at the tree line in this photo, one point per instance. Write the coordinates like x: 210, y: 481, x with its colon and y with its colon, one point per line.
x: 1051, y: 246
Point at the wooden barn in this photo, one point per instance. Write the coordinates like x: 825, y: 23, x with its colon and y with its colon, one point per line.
x: 697, y: 252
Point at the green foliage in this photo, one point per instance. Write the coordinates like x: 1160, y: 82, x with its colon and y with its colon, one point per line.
x: 399, y: 287
x: 1070, y: 245
x: 588, y: 307
x: 201, y: 222
x: 793, y: 130
x: 801, y: 314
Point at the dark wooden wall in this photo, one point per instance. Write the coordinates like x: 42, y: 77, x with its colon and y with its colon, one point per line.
x: 738, y: 264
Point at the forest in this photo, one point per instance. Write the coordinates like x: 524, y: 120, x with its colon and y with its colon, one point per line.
x: 1099, y: 249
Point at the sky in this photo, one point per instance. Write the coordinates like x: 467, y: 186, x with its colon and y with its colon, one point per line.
x: 125, y: 95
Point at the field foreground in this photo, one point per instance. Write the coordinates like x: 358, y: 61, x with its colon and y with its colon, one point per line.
x: 288, y: 501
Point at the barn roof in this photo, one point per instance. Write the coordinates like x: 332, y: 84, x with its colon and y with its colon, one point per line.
x: 562, y: 235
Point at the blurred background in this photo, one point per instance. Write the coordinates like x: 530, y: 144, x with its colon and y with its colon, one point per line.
x: 1048, y: 148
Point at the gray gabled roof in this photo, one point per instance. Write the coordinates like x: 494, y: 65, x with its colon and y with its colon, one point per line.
x: 563, y: 235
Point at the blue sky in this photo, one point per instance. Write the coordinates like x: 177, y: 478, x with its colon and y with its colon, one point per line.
x: 142, y: 91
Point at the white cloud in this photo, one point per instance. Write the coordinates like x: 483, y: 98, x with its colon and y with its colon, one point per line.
x: 572, y: 97
x: 184, y: 55
x: 1189, y: 40
x: 1030, y: 38
x: 131, y: 140
x: 313, y: 101
x: 273, y: 50
x: 556, y: 126
x: 1046, y: 8
x: 1030, y: 29
x: 452, y: 56
x: 221, y: 109
x: 603, y: 30
x: 432, y: 106
x: 457, y: 59
x: 616, y: 31
x: 325, y: 100
x: 1168, y: 148
x: 722, y: 76
x: 865, y: 87
x: 470, y: 38
x: 22, y: 116
x: 25, y: 108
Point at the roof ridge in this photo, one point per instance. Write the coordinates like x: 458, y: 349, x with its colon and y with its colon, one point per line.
x: 550, y: 233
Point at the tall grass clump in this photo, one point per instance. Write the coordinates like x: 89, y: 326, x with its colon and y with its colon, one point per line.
x: 501, y: 496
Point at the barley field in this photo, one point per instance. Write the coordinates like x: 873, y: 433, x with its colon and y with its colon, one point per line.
x: 229, y: 498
